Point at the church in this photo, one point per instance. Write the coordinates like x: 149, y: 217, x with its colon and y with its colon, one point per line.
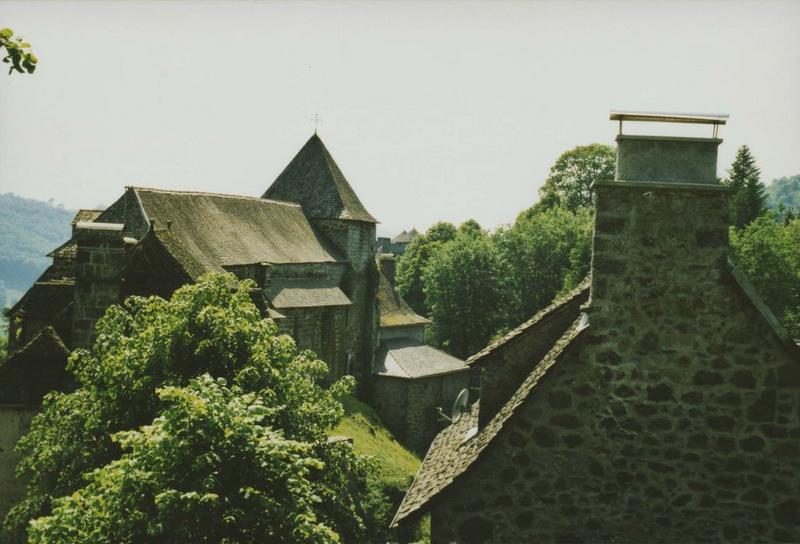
x: 308, y: 244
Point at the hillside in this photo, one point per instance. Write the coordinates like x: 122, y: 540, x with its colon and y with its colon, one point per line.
x: 396, y: 465
x: 29, y: 230
x: 784, y: 191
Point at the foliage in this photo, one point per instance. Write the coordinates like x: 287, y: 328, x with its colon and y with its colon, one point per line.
x: 18, y: 53
x: 767, y: 251
x: 544, y: 253
x: 412, y: 263
x: 571, y: 177
x: 29, y: 229
x: 465, y: 289
x: 3, y: 345
x: 748, y: 199
x: 149, y: 345
x: 783, y: 194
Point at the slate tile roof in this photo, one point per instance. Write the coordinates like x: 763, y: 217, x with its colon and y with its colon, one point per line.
x: 393, y: 310
x: 209, y: 231
x: 86, y: 215
x: 45, y: 299
x: 450, y: 455
x: 307, y: 297
x: 405, y: 237
x: 34, y: 369
x: 582, y: 291
x: 314, y: 180
x: 408, y: 358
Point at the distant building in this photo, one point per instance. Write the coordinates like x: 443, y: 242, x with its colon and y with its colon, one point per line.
x: 398, y: 244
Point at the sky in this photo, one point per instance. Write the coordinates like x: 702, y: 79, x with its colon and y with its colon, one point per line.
x: 433, y: 110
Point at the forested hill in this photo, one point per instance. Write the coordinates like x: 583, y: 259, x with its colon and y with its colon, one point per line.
x: 29, y: 230
x: 784, y: 191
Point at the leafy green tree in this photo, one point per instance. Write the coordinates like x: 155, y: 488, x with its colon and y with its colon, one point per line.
x: 470, y: 227
x: 544, y: 253
x: 412, y: 263
x: 767, y: 251
x: 783, y: 195
x: 748, y: 200
x: 18, y: 53
x: 149, y: 345
x: 571, y: 177
x: 466, y: 293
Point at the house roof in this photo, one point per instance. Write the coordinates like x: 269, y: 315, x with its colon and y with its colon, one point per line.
x: 408, y: 358
x: 393, y: 310
x: 306, y: 297
x: 452, y: 453
x: 580, y: 292
x: 314, y: 180
x: 405, y: 237
x: 207, y: 231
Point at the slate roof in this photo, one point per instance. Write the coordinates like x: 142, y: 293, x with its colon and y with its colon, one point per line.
x: 45, y: 298
x: 393, y: 310
x: 86, y: 216
x: 405, y: 237
x: 313, y: 180
x: 580, y: 292
x: 209, y: 231
x: 450, y: 455
x: 306, y: 297
x: 34, y: 369
x: 408, y: 358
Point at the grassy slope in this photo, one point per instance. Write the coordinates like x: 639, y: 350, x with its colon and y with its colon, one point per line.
x: 370, y: 437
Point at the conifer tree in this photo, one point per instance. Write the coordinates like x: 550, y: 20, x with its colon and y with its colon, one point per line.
x: 748, y: 200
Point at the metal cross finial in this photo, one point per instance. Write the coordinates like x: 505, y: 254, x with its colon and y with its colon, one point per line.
x: 317, y: 120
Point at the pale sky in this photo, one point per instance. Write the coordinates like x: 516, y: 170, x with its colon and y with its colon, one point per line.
x: 434, y: 111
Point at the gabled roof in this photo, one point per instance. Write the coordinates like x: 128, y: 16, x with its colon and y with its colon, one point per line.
x: 208, y: 231
x: 453, y: 451
x: 579, y: 294
x: 45, y: 298
x: 313, y: 180
x: 405, y: 237
x: 308, y: 297
x: 86, y: 216
x: 393, y: 310
x: 408, y: 358
x: 34, y: 369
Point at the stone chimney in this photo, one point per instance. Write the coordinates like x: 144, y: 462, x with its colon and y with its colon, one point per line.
x: 387, y: 264
x: 101, y: 249
x: 661, y: 230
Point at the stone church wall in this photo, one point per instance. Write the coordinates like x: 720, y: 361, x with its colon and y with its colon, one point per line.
x: 14, y: 422
x: 322, y: 330
x: 674, y: 418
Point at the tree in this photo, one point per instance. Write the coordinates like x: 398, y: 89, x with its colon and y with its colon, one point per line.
x: 544, y: 253
x: 465, y: 289
x: 412, y: 263
x: 571, y: 177
x: 18, y: 53
x: 767, y: 252
x: 142, y: 370
x: 748, y: 199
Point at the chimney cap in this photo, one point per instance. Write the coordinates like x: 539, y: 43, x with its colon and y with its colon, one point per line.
x: 669, y: 117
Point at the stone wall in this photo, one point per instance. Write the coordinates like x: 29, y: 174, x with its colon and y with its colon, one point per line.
x: 502, y: 371
x: 14, y: 422
x: 408, y: 407
x: 323, y: 331
x: 675, y: 417
x: 356, y: 240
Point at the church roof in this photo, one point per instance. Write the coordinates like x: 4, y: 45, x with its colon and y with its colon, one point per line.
x: 307, y: 297
x: 45, y: 298
x: 208, y: 231
x: 314, y: 180
x: 86, y: 216
x: 393, y: 310
x: 34, y: 369
x: 408, y: 358
x: 453, y: 450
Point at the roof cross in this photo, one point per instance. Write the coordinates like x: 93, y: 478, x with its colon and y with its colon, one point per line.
x: 317, y: 120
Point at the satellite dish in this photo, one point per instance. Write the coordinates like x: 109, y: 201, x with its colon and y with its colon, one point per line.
x: 460, y: 406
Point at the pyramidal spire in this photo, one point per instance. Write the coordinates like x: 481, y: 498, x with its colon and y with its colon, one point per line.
x: 314, y: 180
